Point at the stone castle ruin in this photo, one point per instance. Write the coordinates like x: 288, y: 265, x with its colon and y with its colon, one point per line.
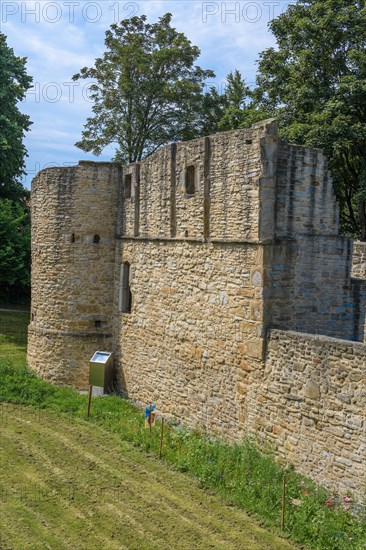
x: 214, y: 271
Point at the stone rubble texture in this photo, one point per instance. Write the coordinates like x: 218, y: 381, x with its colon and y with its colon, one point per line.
x: 248, y: 308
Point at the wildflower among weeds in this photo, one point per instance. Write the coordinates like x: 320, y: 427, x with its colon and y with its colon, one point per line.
x: 347, y: 499
x: 328, y: 502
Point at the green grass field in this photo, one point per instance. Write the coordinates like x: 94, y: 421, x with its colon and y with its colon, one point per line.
x: 68, y: 484
x: 72, y: 482
x: 13, y: 336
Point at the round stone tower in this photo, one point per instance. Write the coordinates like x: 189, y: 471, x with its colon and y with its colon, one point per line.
x: 74, y: 223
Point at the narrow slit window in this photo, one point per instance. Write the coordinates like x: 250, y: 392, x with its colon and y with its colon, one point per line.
x: 98, y: 324
x: 127, y: 186
x: 190, y: 177
x: 125, y: 293
x: 72, y: 237
x: 96, y: 239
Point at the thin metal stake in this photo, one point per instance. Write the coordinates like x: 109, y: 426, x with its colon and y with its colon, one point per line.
x: 283, y: 503
x: 150, y: 418
x: 89, y: 399
x: 161, y: 438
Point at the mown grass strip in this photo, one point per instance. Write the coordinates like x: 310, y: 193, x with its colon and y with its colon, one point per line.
x: 13, y: 336
x: 242, y: 474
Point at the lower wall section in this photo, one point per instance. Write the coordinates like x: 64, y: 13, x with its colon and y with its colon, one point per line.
x: 193, y: 344
x: 62, y: 357
x: 312, y: 406
x: 194, y: 333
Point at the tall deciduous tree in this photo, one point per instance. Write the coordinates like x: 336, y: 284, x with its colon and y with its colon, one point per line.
x: 147, y: 90
x: 315, y: 83
x: 13, y: 124
x: 14, y: 212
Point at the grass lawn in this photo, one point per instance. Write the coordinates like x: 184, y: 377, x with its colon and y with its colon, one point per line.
x: 71, y: 482
x: 68, y: 484
x: 13, y: 336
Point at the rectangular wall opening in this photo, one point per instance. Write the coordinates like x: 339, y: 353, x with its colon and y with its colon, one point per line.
x: 125, y: 295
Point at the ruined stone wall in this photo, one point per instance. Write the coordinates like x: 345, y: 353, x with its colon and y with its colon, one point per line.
x: 225, y: 204
x: 211, y: 272
x: 310, y: 287
x: 253, y: 247
x: 305, y: 201
x: 359, y: 260
x: 72, y: 276
x: 310, y: 404
x: 309, y: 266
x: 195, y: 324
x: 196, y: 276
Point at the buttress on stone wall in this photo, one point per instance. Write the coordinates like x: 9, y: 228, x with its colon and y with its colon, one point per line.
x: 214, y: 271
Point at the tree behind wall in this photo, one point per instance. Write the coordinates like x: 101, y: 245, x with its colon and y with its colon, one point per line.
x: 14, y: 251
x: 147, y: 91
x: 315, y: 84
x: 239, y: 109
x: 14, y: 212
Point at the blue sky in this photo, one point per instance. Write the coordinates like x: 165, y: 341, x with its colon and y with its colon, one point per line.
x: 60, y: 37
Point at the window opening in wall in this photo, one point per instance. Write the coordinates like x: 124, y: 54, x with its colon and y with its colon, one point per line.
x: 96, y: 239
x: 72, y: 237
x: 98, y: 324
x: 127, y: 186
x: 190, y: 177
x: 125, y: 298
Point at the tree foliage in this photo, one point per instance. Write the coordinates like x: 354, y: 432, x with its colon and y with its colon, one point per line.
x: 14, y: 212
x: 147, y: 90
x: 14, y: 250
x: 239, y: 108
x: 315, y: 84
x: 13, y: 124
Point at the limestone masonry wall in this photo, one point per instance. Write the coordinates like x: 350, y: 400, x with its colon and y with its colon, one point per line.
x: 225, y: 203
x: 188, y: 340
x: 310, y: 403
x: 214, y: 271
x: 72, y: 276
x: 359, y: 260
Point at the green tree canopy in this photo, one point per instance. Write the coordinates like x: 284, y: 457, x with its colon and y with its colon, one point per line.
x: 238, y: 107
x: 235, y: 99
x: 315, y: 84
x: 14, y: 212
x: 13, y: 124
x: 14, y: 250
x: 147, y: 90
